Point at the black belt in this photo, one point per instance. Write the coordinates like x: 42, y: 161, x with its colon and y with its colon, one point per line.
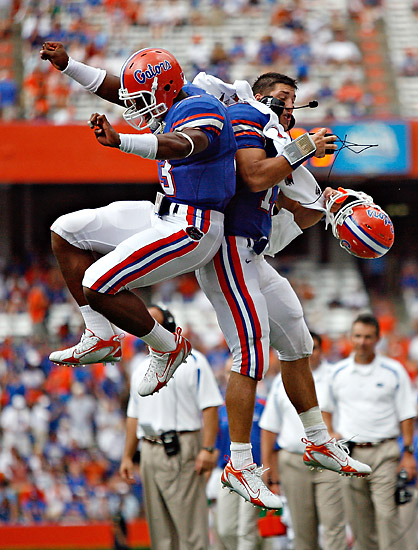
x: 165, y: 207
x: 372, y: 443
x: 156, y: 439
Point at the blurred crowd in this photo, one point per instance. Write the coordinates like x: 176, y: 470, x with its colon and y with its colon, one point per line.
x: 309, y: 41
x: 62, y: 429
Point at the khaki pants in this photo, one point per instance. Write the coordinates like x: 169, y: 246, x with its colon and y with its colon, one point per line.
x: 314, y: 498
x: 370, y: 502
x: 236, y: 522
x: 408, y: 521
x: 175, y: 500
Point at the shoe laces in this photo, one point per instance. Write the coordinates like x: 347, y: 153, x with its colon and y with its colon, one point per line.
x: 157, y: 365
x: 254, y: 478
x: 340, y: 446
x: 86, y: 340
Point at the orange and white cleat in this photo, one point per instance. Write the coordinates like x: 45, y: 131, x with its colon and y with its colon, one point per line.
x: 248, y: 483
x: 163, y: 365
x: 333, y: 455
x: 91, y: 349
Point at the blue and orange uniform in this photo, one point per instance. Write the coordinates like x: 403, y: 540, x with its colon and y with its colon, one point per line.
x: 255, y: 306
x: 187, y: 228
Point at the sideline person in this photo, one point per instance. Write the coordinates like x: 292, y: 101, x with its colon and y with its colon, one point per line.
x: 177, y: 429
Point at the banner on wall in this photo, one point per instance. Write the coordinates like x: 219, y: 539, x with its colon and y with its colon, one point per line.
x: 391, y: 156
x: 43, y: 153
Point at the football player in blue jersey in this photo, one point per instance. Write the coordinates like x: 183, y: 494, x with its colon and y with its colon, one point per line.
x: 141, y: 244
x: 255, y: 306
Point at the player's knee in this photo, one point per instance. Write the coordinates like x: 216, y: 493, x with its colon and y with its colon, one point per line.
x: 72, y: 223
x: 298, y: 344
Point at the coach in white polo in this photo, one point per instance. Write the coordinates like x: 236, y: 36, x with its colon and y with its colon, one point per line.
x: 173, y: 475
x: 372, y: 402
x: 314, y: 497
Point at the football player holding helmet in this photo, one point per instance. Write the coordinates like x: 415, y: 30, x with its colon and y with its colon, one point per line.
x: 150, y: 80
x: 362, y: 227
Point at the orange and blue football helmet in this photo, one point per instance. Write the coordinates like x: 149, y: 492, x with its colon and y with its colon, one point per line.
x: 361, y: 226
x: 150, y: 80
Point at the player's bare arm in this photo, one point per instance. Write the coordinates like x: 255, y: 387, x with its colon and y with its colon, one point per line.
x: 305, y: 217
x: 260, y: 173
x: 174, y: 145
x: 57, y: 55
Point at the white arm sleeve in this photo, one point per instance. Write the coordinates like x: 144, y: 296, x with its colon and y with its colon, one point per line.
x: 89, y: 77
x: 143, y: 145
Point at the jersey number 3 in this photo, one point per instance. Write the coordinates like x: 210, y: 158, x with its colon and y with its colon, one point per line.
x: 167, y: 180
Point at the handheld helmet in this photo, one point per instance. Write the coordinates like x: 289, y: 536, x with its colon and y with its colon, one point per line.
x: 362, y: 227
x: 150, y: 80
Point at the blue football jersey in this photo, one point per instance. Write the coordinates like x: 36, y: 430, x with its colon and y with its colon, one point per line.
x: 249, y: 214
x: 205, y: 180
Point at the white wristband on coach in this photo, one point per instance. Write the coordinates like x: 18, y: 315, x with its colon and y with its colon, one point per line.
x: 89, y: 77
x: 143, y: 145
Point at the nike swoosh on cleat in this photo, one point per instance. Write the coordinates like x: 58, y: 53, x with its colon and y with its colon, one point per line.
x: 167, y: 368
x: 345, y: 463
x: 161, y: 378
x: 79, y: 355
x: 251, y: 493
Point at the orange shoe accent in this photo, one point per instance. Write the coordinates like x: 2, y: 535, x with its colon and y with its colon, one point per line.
x: 91, y: 349
x: 247, y: 482
x: 333, y: 455
x: 163, y: 365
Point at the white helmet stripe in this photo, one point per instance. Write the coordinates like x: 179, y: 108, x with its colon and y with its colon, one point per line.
x: 364, y: 237
x: 122, y: 71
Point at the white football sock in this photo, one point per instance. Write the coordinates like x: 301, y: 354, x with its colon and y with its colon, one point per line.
x: 98, y: 324
x: 160, y: 339
x: 241, y: 455
x: 315, y: 428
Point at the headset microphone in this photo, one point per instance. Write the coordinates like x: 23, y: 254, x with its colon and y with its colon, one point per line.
x: 312, y: 105
x: 278, y: 106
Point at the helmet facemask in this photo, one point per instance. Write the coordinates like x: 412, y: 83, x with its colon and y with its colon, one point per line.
x: 362, y: 228
x: 149, y: 112
x: 338, y: 218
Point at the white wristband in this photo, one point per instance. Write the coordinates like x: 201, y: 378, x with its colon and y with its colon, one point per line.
x: 299, y: 150
x: 89, y: 77
x: 143, y: 145
x: 189, y: 139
